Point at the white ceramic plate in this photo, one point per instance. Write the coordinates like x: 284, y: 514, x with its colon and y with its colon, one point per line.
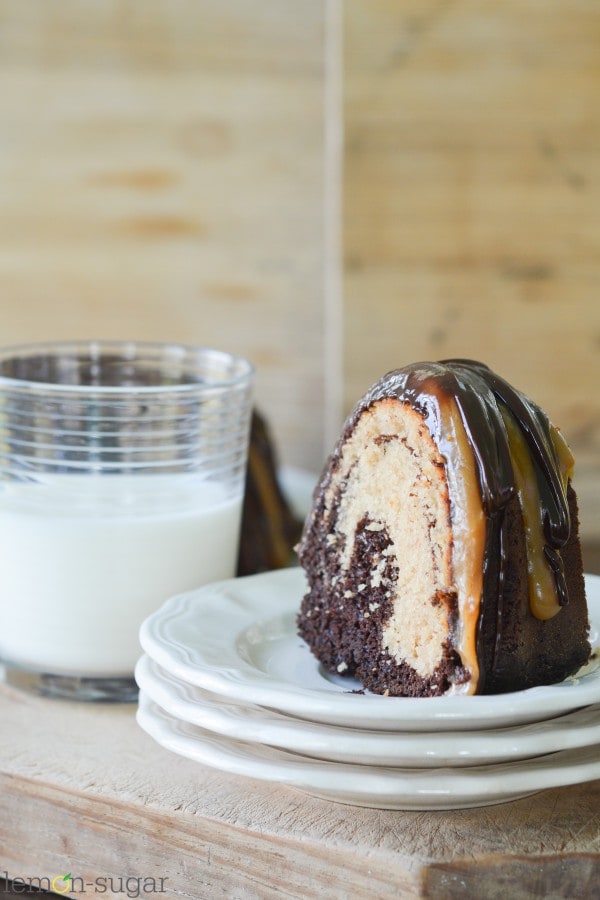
x: 238, y: 639
x: 383, y: 788
x: 375, y: 748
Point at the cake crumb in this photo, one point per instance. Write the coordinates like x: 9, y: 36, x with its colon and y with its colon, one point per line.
x: 386, y: 693
x: 342, y: 667
x: 348, y: 595
x: 373, y: 606
x: 377, y: 576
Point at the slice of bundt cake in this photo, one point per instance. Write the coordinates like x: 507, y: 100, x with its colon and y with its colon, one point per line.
x: 442, y: 550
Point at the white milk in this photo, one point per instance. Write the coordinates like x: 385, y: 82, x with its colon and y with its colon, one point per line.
x: 84, y: 559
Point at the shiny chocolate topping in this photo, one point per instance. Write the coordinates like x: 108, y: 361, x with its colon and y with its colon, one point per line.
x: 516, y: 451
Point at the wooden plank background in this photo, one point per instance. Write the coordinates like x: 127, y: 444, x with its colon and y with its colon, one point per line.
x: 161, y: 166
x: 472, y: 200
x: 162, y: 177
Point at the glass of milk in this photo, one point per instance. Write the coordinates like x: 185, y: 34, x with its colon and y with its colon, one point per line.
x: 122, y: 469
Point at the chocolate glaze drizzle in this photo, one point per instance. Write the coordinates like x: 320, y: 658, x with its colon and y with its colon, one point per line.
x: 490, y: 409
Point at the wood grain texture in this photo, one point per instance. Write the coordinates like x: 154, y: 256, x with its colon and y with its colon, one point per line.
x: 472, y: 201
x: 161, y: 179
x: 84, y: 790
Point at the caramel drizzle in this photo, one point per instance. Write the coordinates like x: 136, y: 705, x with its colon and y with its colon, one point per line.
x: 543, y: 594
x: 469, y: 529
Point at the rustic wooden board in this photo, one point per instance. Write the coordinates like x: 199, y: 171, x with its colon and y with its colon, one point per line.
x: 83, y: 790
x: 472, y: 200
x: 161, y: 178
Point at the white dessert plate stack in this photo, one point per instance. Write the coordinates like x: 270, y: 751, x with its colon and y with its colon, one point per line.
x: 226, y: 681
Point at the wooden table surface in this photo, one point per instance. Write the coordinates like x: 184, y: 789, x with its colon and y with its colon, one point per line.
x: 84, y: 790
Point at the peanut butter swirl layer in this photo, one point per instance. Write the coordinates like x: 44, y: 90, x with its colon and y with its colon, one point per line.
x: 442, y: 550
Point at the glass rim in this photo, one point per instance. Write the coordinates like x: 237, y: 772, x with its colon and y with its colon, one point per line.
x: 129, y: 351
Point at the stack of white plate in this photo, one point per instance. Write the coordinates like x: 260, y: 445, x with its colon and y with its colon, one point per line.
x: 226, y: 681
